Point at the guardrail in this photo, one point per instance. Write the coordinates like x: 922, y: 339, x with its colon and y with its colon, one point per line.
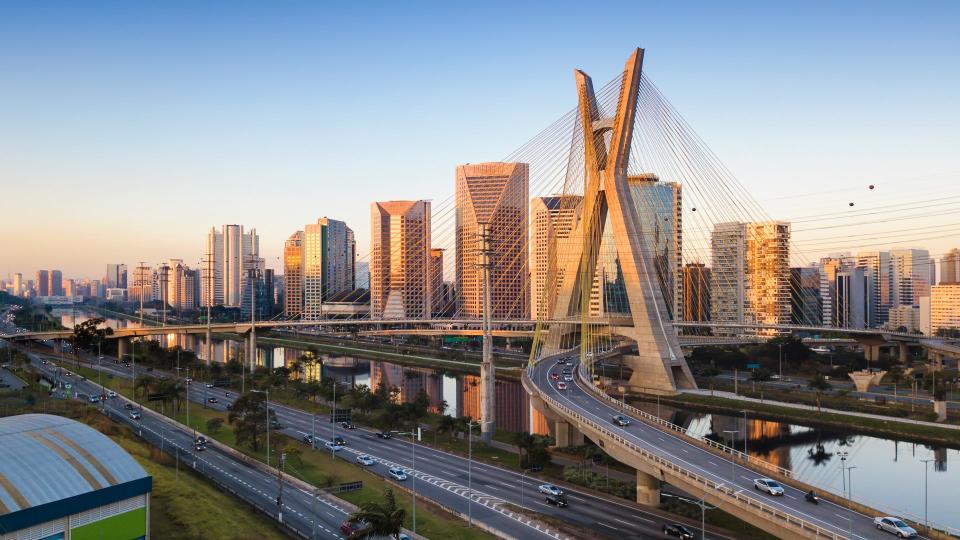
x: 654, y: 419
x: 731, y: 493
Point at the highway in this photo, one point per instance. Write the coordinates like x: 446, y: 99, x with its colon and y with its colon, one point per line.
x: 678, y: 449
x: 466, y: 487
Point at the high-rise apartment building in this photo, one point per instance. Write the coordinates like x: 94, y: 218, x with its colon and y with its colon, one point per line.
x: 116, y: 277
x: 211, y: 288
x: 552, y: 221
x: 492, y: 207
x: 329, y: 258
x: 18, y: 285
x: 140, y: 288
x: 229, y: 256
x: 180, y: 285
x: 293, y: 275
x: 806, y: 307
x: 400, y: 261
x: 877, y: 266
x: 659, y: 206
x: 750, y: 281
x: 909, y: 276
x: 696, y: 292
x: 950, y: 267
x: 42, y: 283
x: 56, y: 283
x: 944, y: 307
x: 904, y: 318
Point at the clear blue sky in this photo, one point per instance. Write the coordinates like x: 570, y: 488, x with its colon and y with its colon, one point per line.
x: 127, y: 129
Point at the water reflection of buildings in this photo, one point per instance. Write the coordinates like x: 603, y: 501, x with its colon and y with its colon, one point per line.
x: 763, y: 437
x: 409, y: 381
x: 512, y: 408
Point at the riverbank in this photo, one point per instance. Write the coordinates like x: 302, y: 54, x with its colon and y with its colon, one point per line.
x: 889, y: 428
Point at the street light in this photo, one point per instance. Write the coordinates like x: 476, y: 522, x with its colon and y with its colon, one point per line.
x: 926, y: 469
x: 522, y: 480
x: 733, y: 474
x: 413, y: 451
x: 780, y: 345
x: 267, y: 394
x: 470, y: 425
x: 745, y: 455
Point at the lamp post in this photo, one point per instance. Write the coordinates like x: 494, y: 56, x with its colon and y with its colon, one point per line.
x: 522, y: 480
x: 733, y: 474
x: 745, y: 455
x: 926, y: 469
x: 470, y: 425
x: 103, y: 391
x: 780, y: 345
x: 414, y: 435
x: 267, y: 394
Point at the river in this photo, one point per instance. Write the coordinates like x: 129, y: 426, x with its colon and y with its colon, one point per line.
x: 885, y: 473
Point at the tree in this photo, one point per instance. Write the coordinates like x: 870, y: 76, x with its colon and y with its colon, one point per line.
x: 214, y: 425
x: 819, y: 385
x: 382, y: 518
x: 88, y: 334
x: 760, y: 375
x: 249, y: 419
x: 448, y: 425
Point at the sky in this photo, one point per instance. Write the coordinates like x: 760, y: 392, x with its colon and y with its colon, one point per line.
x: 128, y: 129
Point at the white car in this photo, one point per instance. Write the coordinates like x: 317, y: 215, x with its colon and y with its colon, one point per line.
x: 895, y: 526
x: 770, y: 486
x: 364, y: 459
x: 568, y: 378
x: 550, y: 489
x: 561, y: 385
x: 208, y: 385
x: 332, y: 447
x: 397, y: 473
x: 111, y: 394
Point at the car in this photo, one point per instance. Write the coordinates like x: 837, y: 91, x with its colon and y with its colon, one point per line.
x: 226, y: 394
x: 550, y: 489
x: 677, y: 530
x: 275, y: 424
x: 111, y: 394
x: 94, y: 399
x: 347, y: 425
x: 350, y: 527
x: 338, y: 440
x: 332, y: 447
x: 128, y: 406
x: 621, y: 420
x: 201, y: 440
x: 188, y: 380
x: 213, y: 400
x: 770, y: 486
x: 561, y: 385
x: 308, y: 439
x: 67, y: 386
x: 208, y: 385
x: 384, y: 435
x: 200, y: 447
x: 135, y: 415
x: 568, y: 377
x: 895, y: 526
x: 397, y: 473
x: 364, y: 459
x: 557, y: 500
x: 554, y: 377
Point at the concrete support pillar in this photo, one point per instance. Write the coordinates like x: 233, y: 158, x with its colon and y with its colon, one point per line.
x: 123, y: 346
x: 566, y: 435
x: 488, y: 395
x: 940, y: 407
x: 208, y: 345
x: 904, y: 352
x: 937, y: 362
x: 648, y: 489
x: 252, y: 350
x: 871, y: 352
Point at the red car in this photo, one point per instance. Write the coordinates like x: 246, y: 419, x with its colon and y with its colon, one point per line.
x: 554, y: 376
x: 350, y: 527
x: 561, y: 385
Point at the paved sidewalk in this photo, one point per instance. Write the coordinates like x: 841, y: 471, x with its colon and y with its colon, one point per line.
x: 731, y: 395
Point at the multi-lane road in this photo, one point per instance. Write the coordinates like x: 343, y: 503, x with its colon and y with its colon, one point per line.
x: 470, y: 488
x: 680, y: 450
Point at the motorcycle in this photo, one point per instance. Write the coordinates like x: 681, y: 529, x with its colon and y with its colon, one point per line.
x: 812, y: 497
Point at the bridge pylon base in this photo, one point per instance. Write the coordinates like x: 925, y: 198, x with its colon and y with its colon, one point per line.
x: 566, y: 434
x: 648, y: 489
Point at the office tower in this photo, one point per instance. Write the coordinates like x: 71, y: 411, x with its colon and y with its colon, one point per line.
x: 329, y: 252
x: 552, y: 220
x: 255, y: 284
x: 805, y: 304
x: 116, y: 277
x: 42, y: 283
x: 696, y: 292
x: 293, y: 275
x: 18, y: 284
x: 400, y: 276
x: 750, y: 278
x: 211, y: 289
x: 950, y: 267
x: 438, y: 303
x: 659, y: 207
x: 944, y: 307
x: 854, y: 291
x: 180, y: 285
x: 269, y: 298
x: 492, y: 205
x: 96, y: 288
x: 240, y: 253
x: 140, y: 288
x: 363, y: 275
x: 69, y: 287
x: 828, y: 268
x: 56, y: 283
x: 877, y: 264
x: 909, y: 276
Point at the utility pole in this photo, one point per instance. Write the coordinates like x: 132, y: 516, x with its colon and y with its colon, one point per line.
x: 280, y: 488
x: 487, y: 369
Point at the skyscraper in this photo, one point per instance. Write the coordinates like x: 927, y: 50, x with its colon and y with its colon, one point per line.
x: 56, y: 283
x: 552, y: 221
x: 140, y: 288
x: 492, y: 202
x: 828, y: 269
x: 750, y: 279
x: 229, y: 256
x: 293, y: 275
x: 211, y: 288
x: 950, y: 267
x: 877, y: 264
x: 909, y: 275
x: 659, y: 207
x: 696, y: 292
x: 18, y: 284
x: 854, y: 290
x: 329, y: 258
x: 180, y: 285
x: 806, y: 307
x: 400, y: 263
x: 437, y: 290
x: 116, y: 277
x: 43, y: 283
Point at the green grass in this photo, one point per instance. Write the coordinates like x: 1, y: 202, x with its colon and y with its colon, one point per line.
x: 185, y: 506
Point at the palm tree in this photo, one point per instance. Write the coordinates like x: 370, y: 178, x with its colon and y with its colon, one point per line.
x: 819, y: 385
x: 382, y: 519
x: 448, y: 425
